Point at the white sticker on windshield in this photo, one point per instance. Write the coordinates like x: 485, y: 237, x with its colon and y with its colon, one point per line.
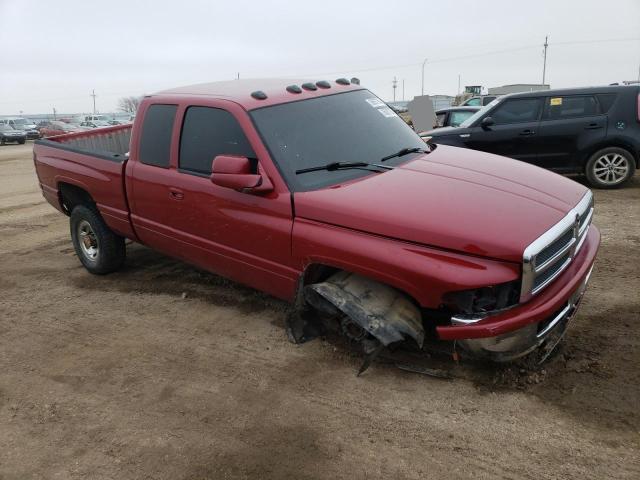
x: 375, y: 102
x: 387, y: 112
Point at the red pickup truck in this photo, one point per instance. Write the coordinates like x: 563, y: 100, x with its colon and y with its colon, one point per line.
x: 318, y: 193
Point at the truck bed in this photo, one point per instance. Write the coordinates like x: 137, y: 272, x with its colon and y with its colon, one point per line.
x: 111, y: 142
x: 94, y: 162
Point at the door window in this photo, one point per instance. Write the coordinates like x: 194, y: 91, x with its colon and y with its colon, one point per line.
x: 155, y: 143
x: 440, y: 118
x: 206, y: 133
x: 516, y: 111
x: 568, y: 107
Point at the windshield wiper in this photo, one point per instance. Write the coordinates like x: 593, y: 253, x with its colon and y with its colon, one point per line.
x: 343, y: 165
x: 403, y: 152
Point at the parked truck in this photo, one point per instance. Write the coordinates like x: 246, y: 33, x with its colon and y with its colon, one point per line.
x: 319, y: 194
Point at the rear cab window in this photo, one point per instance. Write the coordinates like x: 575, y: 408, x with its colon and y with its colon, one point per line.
x: 206, y: 133
x: 155, y: 141
x: 571, y: 106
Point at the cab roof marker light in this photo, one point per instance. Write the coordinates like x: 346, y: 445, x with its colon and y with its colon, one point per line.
x: 323, y: 84
x: 259, y: 95
x: 309, y: 86
x: 342, y: 81
x: 355, y: 80
x: 294, y: 89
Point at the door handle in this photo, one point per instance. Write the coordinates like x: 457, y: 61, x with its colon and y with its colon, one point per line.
x: 176, y: 194
x: 592, y: 126
x: 527, y: 132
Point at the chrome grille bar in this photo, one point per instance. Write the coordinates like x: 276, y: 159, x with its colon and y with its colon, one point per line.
x: 551, y: 253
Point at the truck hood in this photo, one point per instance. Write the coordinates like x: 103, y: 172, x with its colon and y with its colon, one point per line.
x: 452, y: 198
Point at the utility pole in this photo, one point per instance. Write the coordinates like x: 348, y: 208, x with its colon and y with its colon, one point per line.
x: 93, y: 94
x: 238, y: 77
x: 544, y: 65
x: 403, y: 89
x: 458, y: 84
x: 395, y: 85
x: 54, y: 113
x: 423, y: 64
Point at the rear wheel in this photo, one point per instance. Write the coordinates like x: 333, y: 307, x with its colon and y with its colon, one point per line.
x: 99, y: 249
x: 21, y: 142
x: 610, y: 167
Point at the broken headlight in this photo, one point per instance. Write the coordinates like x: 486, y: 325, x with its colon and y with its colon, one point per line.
x: 479, y: 302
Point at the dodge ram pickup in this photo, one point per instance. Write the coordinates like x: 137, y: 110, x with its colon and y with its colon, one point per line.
x: 319, y: 194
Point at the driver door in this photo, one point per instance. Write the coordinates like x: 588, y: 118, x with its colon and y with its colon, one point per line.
x: 513, y: 132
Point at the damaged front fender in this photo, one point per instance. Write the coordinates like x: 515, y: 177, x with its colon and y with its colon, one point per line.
x: 384, y: 312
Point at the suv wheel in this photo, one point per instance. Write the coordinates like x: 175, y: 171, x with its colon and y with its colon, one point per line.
x: 98, y: 248
x: 610, y: 167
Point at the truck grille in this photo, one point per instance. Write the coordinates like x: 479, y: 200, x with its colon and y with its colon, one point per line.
x: 552, y: 252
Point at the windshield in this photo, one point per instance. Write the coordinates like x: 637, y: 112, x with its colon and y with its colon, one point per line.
x: 22, y: 121
x: 354, y: 126
x: 480, y: 113
x: 5, y: 128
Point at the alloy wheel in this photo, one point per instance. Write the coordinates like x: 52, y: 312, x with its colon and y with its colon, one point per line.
x: 611, y: 168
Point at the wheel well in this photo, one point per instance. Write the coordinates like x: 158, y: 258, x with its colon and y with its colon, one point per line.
x: 612, y: 143
x: 319, y: 272
x: 71, y: 196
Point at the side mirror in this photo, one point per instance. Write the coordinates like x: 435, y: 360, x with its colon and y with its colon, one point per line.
x: 486, y: 123
x: 235, y: 172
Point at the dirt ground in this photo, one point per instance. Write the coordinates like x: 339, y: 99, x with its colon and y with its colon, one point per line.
x: 161, y: 371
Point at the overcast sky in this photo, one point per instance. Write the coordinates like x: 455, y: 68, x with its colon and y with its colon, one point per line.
x: 55, y: 52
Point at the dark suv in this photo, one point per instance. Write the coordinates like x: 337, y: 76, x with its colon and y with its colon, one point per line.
x: 595, y: 131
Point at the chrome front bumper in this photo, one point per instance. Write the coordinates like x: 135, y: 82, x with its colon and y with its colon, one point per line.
x: 547, y: 334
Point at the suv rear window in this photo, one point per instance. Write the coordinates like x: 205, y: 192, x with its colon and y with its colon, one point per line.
x: 571, y: 106
x: 606, y: 101
x: 208, y: 132
x: 155, y: 142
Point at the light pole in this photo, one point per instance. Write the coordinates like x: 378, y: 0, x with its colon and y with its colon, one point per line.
x: 423, y: 64
x: 93, y: 94
x: 544, y: 65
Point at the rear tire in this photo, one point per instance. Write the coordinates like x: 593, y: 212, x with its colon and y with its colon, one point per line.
x: 21, y: 142
x: 610, y: 167
x: 99, y: 249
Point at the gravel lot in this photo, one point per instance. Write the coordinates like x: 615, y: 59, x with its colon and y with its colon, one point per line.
x: 161, y: 371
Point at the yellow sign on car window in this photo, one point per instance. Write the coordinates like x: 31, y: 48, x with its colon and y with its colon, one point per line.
x: 556, y: 101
